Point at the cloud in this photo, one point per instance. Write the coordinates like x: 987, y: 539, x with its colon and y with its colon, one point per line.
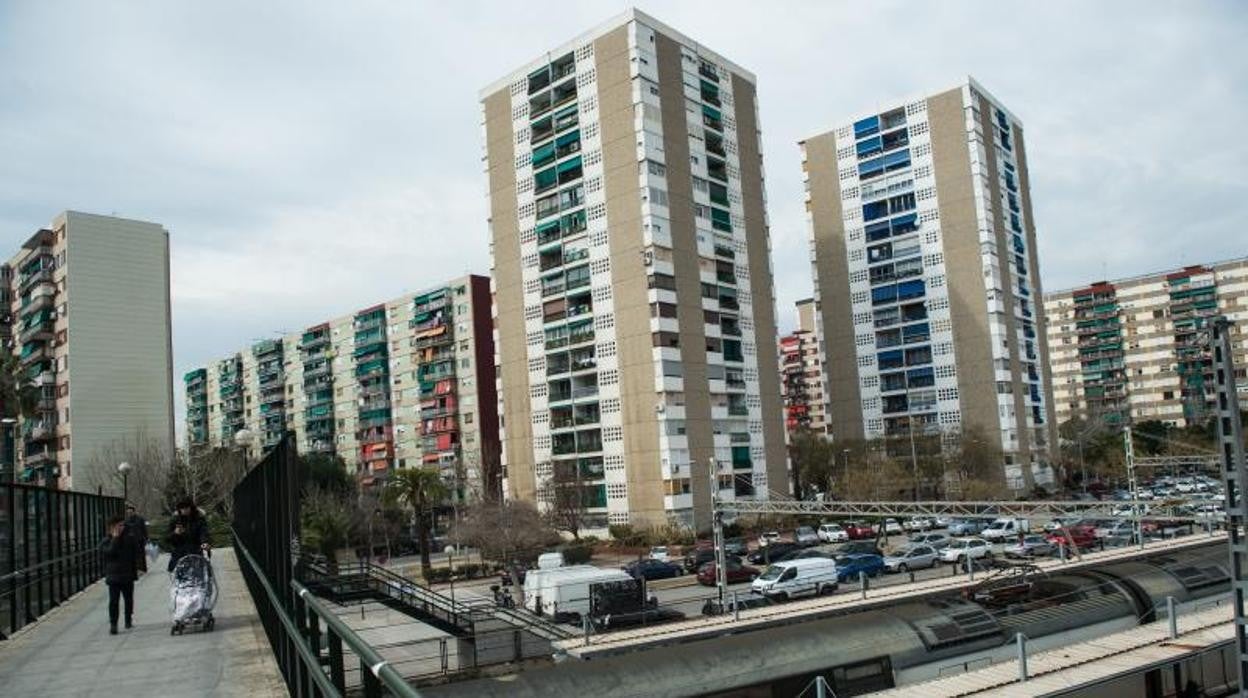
x: 310, y: 158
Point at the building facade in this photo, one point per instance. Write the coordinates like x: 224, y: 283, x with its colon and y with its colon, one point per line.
x: 801, y: 375
x: 924, y: 257
x: 1131, y: 350
x: 633, y: 291
x: 89, y: 322
x: 405, y: 383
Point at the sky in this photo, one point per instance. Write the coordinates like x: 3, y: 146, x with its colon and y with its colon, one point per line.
x: 313, y: 158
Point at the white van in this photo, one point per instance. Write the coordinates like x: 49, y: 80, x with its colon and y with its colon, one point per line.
x: 785, y: 580
x: 534, y: 580
x: 548, y: 561
x: 564, y: 593
x: 1002, y: 529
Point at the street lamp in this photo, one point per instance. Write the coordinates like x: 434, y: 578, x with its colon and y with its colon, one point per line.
x: 124, y: 469
x: 845, y: 486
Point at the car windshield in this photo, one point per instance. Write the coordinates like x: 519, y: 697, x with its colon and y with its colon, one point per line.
x: 904, y: 552
x: 958, y: 544
x: 772, y: 572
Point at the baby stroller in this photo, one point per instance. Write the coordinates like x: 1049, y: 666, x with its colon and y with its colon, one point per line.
x: 192, y: 594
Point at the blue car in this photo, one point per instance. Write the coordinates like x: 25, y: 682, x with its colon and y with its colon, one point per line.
x: 849, y: 566
x: 651, y: 570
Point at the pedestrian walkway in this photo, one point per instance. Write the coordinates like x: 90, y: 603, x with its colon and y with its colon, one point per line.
x: 69, y: 653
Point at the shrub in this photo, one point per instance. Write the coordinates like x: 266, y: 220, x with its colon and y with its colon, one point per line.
x: 439, y: 574
x: 574, y: 554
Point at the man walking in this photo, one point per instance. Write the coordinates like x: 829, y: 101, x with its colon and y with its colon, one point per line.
x: 120, y: 566
x: 136, y: 529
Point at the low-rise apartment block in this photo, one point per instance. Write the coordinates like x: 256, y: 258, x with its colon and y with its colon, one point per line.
x: 1134, y: 349
x: 405, y: 383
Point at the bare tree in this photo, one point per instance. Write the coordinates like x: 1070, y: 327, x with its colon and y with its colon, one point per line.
x: 564, y: 496
x: 208, y: 477
x: 507, y: 531
x: 147, y: 481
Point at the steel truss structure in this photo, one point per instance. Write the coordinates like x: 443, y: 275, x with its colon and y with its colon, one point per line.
x: 1166, y: 510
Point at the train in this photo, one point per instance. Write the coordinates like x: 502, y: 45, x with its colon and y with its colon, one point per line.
x: 891, y: 646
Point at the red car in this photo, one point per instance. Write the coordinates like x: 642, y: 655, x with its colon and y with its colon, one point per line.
x: 859, y: 530
x: 735, y: 571
x: 1084, y: 537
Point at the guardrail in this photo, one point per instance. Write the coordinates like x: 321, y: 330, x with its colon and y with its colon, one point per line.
x: 318, y: 668
x: 48, y: 548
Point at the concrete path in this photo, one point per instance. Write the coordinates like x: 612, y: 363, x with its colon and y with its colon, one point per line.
x: 69, y: 652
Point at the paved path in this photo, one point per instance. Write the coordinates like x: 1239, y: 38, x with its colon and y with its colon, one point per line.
x: 69, y: 653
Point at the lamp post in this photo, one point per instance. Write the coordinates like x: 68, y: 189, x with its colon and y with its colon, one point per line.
x: 10, y: 450
x: 124, y: 469
x: 845, y: 486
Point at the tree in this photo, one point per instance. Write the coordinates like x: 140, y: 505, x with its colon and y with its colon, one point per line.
x: 421, y: 490
x: 1150, y: 437
x: 976, y: 464
x: 814, y: 463
x: 327, y: 522
x: 146, y: 484
x: 208, y: 477
x: 564, y: 496
x: 18, y: 397
x: 507, y: 531
x: 327, y: 471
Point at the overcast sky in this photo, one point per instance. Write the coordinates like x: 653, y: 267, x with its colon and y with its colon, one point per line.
x: 312, y: 158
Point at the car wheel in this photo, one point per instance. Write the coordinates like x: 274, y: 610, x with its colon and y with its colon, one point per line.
x: 827, y: 589
x: 903, y: 568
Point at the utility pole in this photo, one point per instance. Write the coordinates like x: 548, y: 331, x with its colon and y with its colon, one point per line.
x: 717, y: 533
x: 914, y: 458
x: 1231, y: 447
x: 1132, y: 487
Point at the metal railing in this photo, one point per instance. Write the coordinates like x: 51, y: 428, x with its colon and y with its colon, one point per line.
x: 49, y: 541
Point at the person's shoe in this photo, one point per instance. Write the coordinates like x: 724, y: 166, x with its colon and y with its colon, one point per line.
x: 129, y: 624
x: 112, y: 630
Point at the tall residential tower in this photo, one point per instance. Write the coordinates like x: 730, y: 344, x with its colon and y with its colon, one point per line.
x: 89, y: 321
x: 634, y: 306
x: 924, y: 255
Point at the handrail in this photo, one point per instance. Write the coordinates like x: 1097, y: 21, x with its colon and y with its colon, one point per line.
x: 311, y: 661
x: 46, y: 563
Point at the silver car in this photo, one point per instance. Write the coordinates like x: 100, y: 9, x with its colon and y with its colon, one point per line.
x: 911, y: 557
x: 935, y: 540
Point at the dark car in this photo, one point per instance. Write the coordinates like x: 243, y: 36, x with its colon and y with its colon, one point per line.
x: 848, y: 567
x: 697, y: 557
x: 736, y: 546
x: 811, y: 553
x: 858, y: 547
x: 734, y: 571
x: 774, y: 552
x: 651, y: 570
x: 744, y: 602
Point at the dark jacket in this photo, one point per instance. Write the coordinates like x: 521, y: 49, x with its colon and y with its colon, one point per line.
x: 121, y: 558
x: 189, y: 541
x: 137, y: 526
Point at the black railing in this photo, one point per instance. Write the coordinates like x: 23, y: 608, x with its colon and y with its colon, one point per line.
x: 49, y: 543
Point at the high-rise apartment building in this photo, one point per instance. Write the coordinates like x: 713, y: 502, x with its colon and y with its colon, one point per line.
x: 1131, y: 350
x: 924, y: 255
x: 88, y: 319
x: 801, y: 374
x: 633, y: 293
x: 409, y: 382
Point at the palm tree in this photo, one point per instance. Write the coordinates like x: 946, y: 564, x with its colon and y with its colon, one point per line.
x: 420, y: 489
x: 18, y: 396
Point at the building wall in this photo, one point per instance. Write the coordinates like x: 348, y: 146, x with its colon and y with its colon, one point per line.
x: 109, y: 370
x: 667, y: 399
x: 1121, y: 349
x: 924, y: 256
x: 330, y: 410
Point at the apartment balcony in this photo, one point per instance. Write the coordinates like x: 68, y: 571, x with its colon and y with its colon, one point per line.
x: 26, y: 281
x: 312, y: 344
x: 441, y: 301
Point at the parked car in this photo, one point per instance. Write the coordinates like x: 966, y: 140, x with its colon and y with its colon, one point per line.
x: 1005, y: 528
x: 859, y: 530
x: 1117, y: 529
x: 941, y: 522
x: 651, y: 569
x: 549, y: 561
x: 911, y: 557
x: 935, y: 540
x: 785, y: 580
x: 768, y: 537
x: 832, y: 533
x: 697, y: 557
x: 890, y: 527
x: 964, y: 548
x: 809, y: 552
x: 805, y: 536
x: 917, y: 524
x: 848, y: 567
x: 771, y: 553
x: 736, y: 546
x: 730, y: 605
x: 1082, y: 538
x: 734, y: 571
x: 658, y: 552
x: 1030, y: 546
x: 858, y: 547
x: 965, y: 527
x: 1055, y: 524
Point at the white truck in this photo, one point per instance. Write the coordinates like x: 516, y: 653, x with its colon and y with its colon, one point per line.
x: 1005, y: 529
x: 563, y: 593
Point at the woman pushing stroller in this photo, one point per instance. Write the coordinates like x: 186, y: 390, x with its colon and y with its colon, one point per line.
x: 188, y: 533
